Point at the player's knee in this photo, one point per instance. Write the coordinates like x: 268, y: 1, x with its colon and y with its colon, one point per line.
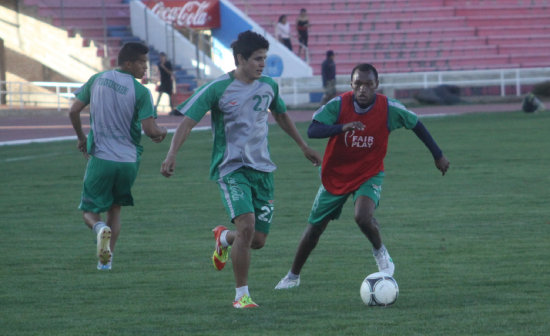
x: 259, y: 241
x: 246, y: 233
x: 314, y: 232
x: 256, y: 245
x: 365, y: 222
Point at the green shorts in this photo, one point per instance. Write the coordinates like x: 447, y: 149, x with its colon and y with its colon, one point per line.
x: 247, y: 190
x: 329, y: 205
x: 107, y: 183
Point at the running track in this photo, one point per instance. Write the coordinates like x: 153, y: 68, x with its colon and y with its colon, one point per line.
x: 44, y: 127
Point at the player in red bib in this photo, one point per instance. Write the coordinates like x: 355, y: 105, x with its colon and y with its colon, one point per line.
x: 358, y: 124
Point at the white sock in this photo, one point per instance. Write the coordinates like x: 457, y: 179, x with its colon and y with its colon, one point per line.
x: 240, y: 291
x: 98, y: 226
x: 292, y: 276
x: 223, y: 239
x: 375, y: 251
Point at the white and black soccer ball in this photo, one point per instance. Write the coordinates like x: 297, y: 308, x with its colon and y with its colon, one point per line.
x: 379, y: 289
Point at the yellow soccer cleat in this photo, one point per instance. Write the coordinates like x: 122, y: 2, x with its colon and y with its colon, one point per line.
x: 245, y: 302
x: 221, y: 254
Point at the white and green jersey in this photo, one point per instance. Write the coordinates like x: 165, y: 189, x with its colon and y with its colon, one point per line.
x: 118, y: 103
x: 239, y: 113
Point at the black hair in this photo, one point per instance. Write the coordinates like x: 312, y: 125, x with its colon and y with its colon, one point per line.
x: 281, y: 18
x: 330, y: 53
x: 247, y: 43
x: 131, y: 51
x: 365, y: 67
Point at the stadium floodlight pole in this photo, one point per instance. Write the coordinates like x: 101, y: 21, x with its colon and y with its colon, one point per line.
x: 197, y: 46
x: 3, y: 86
x: 62, y: 9
x: 105, y: 51
x: 146, y: 23
x: 173, y: 43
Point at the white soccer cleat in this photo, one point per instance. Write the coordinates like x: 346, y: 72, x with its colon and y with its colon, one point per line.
x: 384, y: 261
x: 104, y: 245
x: 102, y: 267
x: 287, y: 283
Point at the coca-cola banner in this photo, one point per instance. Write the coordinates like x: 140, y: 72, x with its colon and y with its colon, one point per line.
x: 198, y: 14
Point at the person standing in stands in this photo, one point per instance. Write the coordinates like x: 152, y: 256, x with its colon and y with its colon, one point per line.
x: 328, y: 74
x: 302, y: 26
x: 282, y: 31
x: 358, y: 124
x: 166, y: 79
x: 120, y: 107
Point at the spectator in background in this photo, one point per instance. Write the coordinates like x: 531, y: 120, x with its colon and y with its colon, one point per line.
x: 166, y: 78
x: 302, y: 26
x: 328, y: 73
x: 282, y: 31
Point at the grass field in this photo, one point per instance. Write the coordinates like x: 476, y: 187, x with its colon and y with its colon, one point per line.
x: 471, y: 248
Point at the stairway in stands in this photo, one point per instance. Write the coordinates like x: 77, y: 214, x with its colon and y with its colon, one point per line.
x: 105, y: 24
x: 410, y: 36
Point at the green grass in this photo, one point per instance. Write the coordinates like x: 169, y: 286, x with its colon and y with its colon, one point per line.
x: 471, y: 248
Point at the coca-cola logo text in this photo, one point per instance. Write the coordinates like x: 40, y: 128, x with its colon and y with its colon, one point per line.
x: 194, y: 14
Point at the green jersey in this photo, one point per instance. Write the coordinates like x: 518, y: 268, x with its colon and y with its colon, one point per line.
x: 118, y: 103
x: 398, y: 115
x: 239, y: 113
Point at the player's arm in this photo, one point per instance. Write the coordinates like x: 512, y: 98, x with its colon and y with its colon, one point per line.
x: 74, y: 116
x: 147, y: 115
x: 325, y: 122
x: 422, y: 133
x: 400, y: 116
x: 182, y: 132
x: 153, y: 130
x: 193, y: 109
x: 318, y: 130
x: 284, y: 121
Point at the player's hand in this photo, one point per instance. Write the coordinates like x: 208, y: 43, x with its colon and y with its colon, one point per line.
x: 160, y: 137
x: 442, y: 164
x: 313, y: 156
x: 82, y: 147
x: 354, y: 125
x: 168, y: 167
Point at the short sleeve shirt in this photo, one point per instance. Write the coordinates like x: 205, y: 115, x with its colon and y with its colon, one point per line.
x: 118, y: 104
x: 239, y: 113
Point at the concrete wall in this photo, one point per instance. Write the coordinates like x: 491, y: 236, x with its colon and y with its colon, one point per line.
x: 47, y: 45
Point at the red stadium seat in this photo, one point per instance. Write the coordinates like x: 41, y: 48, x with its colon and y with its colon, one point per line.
x: 408, y: 35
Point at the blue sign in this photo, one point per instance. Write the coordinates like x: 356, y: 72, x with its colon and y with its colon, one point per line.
x: 231, y: 24
x: 273, y: 66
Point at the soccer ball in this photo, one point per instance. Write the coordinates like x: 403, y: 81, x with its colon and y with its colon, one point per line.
x: 379, y: 289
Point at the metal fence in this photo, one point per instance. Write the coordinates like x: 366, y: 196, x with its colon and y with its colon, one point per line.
x: 38, y: 94
x: 297, y: 91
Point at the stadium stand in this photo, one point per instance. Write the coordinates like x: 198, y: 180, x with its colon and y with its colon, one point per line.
x: 430, y: 35
x: 104, y: 24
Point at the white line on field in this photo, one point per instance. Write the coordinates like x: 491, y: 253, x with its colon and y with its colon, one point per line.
x: 54, y: 139
x: 71, y: 137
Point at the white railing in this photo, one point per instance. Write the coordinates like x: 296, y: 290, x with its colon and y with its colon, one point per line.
x: 296, y: 91
x: 56, y: 95
x: 164, y: 37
